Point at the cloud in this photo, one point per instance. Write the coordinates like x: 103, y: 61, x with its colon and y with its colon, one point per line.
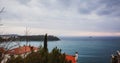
x: 111, y: 8
x: 63, y: 15
x: 24, y: 1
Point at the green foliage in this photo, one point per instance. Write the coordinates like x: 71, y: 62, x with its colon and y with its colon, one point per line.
x: 56, y: 57
x: 0, y: 56
x: 33, y: 58
x: 42, y: 56
x: 18, y: 59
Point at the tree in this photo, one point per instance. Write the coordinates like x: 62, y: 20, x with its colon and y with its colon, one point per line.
x: 18, y: 59
x: 42, y: 56
x: 26, y: 35
x: 55, y: 56
x: 1, y: 10
x: 45, y: 42
x: 7, y: 44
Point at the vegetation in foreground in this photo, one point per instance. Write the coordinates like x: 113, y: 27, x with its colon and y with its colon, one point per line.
x: 41, y: 56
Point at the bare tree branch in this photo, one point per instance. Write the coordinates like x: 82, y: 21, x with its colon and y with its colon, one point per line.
x: 2, y: 10
x: 26, y: 33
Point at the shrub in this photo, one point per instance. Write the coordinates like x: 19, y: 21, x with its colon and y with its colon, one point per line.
x: 42, y: 56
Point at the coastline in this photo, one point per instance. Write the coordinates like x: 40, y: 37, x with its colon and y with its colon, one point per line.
x: 27, y: 38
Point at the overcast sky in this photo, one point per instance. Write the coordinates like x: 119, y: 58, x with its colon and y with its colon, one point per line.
x: 61, y: 17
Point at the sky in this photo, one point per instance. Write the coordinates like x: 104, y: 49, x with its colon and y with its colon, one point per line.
x: 61, y: 17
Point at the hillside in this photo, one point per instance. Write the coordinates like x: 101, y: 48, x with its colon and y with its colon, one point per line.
x: 27, y: 38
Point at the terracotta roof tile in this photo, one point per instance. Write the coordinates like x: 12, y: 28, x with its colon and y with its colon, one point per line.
x: 21, y: 50
x: 70, y: 58
x: 25, y: 49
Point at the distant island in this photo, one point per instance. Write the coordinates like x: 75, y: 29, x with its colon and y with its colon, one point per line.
x: 14, y: 37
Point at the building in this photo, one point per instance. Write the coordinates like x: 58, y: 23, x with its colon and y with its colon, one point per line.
x: 9, y: 36
x: 116, y: 58
x: 70, y: 58
x: 19, y: 51
x: 22, y: 51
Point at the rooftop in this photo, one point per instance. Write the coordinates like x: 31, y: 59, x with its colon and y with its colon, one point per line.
x: 22, y: 50
x: 70, y: 58
x: 25, y: 49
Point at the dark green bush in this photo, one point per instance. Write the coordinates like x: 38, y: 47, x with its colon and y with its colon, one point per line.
x: 18, y: 59
x: 42, y: 56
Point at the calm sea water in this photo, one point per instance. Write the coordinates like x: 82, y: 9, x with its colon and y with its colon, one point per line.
x: 91, y: 50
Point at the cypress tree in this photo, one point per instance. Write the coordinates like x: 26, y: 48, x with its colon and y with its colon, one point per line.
x: 45, y: 42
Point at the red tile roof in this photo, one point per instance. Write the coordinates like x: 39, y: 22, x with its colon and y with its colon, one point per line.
x: 70, y: 58
x: 22, y: 50
x: 25, y: 49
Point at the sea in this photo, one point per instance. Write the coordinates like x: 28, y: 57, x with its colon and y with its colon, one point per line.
x: 90, y: 49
